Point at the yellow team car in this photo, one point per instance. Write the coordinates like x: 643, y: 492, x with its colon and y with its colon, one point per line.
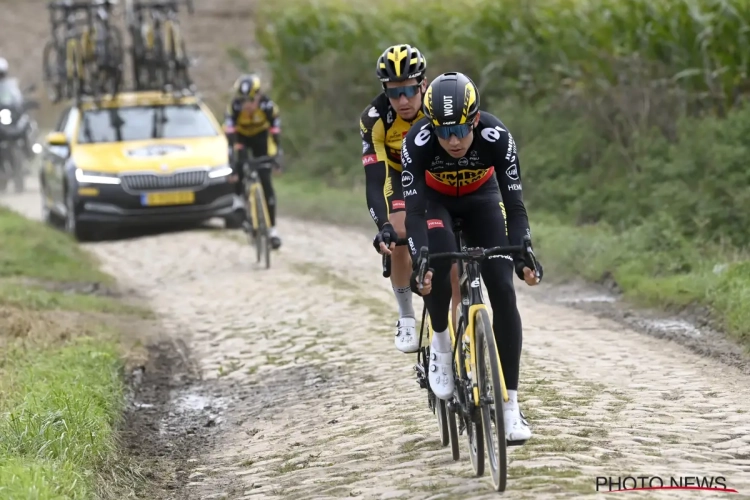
x: 137, y: 158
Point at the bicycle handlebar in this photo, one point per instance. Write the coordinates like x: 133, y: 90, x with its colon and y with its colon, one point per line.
x: 474, y: 254
x: 260, y: 160
x: 163, y: 5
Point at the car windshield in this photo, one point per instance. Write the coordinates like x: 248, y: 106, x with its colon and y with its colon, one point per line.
x: 10, y: 93
x: 139, y: 123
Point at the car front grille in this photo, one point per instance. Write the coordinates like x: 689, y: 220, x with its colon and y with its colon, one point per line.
x: 155, y: 182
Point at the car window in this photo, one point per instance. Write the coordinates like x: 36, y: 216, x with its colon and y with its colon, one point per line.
x: 138, y: 123
x: 69, y: 128
x: 61, y: 122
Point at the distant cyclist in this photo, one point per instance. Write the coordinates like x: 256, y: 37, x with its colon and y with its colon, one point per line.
x: 383, y: 125
x: 252, y: 121
x: 460, y: 162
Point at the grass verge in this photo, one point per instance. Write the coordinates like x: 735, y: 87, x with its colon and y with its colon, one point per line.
x: 61, y: 368
x: 652, y: 264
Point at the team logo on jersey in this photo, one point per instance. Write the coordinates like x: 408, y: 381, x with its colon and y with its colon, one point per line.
x: 512, y: 172
x: 459, y: 183
x: 388, y: 188
x: 406, y: 179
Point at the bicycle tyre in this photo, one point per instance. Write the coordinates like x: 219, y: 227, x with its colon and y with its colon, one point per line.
x: 51, y: 71
x: 473, y: 429
x: 498, y: 457
x: 264, y: 229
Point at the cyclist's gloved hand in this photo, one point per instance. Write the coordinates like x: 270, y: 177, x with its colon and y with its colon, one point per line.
x: 426, y: 285
x: 526, y: 273
x: 386, y: 236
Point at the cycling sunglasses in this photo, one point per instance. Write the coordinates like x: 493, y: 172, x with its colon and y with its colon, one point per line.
x: 408, y: 91
x: 460, y: 131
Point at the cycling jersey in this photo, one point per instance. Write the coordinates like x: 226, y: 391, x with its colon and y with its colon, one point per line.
x: 382, y: 131
x: 250, y: 124
x: 490, y: 169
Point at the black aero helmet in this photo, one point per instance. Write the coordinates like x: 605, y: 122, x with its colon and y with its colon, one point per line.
x: 401, y: 62
x: 451, y: 99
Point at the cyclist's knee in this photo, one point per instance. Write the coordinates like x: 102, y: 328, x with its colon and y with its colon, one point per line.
x: 502, y: 293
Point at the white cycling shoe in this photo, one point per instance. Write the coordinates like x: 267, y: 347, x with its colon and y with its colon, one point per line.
x: 441, y: 374
x: 516, y: 426
x: 406, y: 339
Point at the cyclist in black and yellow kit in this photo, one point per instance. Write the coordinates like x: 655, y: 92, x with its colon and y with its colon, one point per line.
x: 383, y: 125
x: 252, y: 121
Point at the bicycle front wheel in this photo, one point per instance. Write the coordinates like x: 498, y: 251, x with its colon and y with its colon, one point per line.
x: 491, y: 383
x: 262, y: 241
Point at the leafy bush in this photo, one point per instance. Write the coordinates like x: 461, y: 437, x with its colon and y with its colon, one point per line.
x: 622, y: 110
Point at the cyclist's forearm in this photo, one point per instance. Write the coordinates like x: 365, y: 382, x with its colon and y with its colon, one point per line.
x: 374, y: 181
x: 416, y: 223
x: 518, y: 221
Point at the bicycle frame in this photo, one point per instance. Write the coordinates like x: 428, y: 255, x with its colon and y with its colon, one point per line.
x: 472, y: 300
x: 255, y: 189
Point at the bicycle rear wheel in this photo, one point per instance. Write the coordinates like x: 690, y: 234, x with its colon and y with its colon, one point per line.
x: 51, y: 71
x: 490, y: 380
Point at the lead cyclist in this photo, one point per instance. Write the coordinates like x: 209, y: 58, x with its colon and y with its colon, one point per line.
x: 383, y: 125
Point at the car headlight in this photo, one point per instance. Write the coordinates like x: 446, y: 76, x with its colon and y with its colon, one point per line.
x: 6, y: 118
x: 95, y: 177
x: 222, y: 171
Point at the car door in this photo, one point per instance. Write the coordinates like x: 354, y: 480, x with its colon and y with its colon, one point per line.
x: 53, y: 161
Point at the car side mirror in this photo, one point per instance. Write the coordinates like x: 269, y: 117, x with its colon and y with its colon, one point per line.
x: 57, y: 144
x: 57, y: 139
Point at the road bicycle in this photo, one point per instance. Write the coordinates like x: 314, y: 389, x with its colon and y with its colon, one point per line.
x: 87, y: 57
x: 258, y: 224
x: 158, y: 51
x: 480, y: 390
x: 108, y: 55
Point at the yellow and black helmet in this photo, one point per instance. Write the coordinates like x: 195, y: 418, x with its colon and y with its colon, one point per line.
x: 451, y: 99
x: 247, y: 86
x: 401, y: 62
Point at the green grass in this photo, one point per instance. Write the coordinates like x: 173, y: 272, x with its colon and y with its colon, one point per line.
x: 32, y: 250
x: 37, y: 298
x: 652, y: 264
x: 61, y: 387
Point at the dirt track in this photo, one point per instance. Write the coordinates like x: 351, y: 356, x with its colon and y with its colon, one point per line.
x: 304, y: 396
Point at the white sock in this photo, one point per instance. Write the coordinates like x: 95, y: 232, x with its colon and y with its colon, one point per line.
x: 403, y: 298
x: 512, y: 399
x: 441, y: 341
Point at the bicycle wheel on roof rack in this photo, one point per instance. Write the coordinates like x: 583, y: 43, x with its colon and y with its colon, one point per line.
x: 52, y: 66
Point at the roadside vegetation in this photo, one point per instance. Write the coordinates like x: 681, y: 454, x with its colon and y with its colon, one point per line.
x: 62, y: 363
x: 629, y: 116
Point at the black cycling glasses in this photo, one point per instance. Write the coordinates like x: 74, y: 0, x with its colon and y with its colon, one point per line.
x: 408, y: 91
x: 460, y: 131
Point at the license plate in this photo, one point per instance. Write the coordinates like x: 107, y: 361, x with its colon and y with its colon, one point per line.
x: 174, y: 198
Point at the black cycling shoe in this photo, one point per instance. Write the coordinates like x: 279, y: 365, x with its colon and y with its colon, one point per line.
x: 275, y: 242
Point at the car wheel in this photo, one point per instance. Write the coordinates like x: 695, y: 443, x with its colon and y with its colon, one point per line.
x: 72, y: 226
x: 47, y: 217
